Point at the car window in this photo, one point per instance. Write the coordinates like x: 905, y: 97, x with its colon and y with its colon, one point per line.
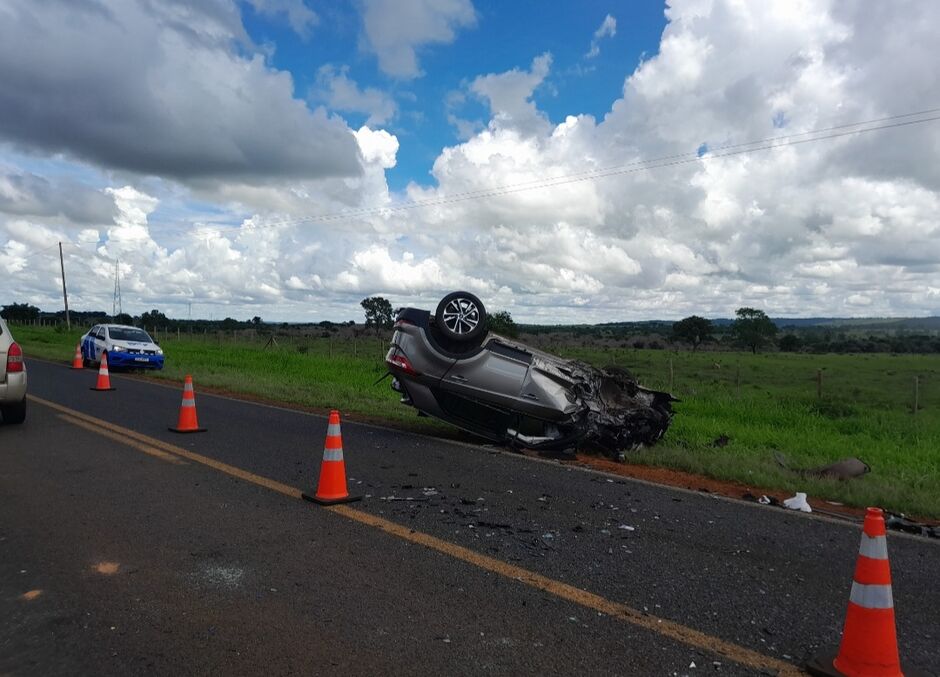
x: 99, y: 333
x: 129, y: 334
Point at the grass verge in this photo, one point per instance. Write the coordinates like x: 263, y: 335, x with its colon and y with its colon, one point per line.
x: 811, y: 409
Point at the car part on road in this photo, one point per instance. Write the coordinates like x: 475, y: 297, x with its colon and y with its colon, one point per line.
x: 902, y: 523
x: 449, y: 367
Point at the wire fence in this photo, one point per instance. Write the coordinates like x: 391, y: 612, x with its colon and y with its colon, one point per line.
x: 838, y: 382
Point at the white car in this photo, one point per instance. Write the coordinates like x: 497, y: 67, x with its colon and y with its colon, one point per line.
x: 128, y: 347
x: 12, y: 378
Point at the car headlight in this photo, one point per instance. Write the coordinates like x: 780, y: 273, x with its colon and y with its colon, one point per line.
x: 119, y: 349
x: 159, y: 351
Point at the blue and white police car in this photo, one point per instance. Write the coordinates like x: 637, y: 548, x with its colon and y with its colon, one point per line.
x: 127, y: 347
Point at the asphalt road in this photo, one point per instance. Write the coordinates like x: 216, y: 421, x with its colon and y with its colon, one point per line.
x: 126, y: 549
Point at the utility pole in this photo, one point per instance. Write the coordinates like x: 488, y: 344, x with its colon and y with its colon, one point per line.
x: 65, y: 296
x: 116, y: 308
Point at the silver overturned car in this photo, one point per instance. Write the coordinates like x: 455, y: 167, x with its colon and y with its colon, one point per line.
x: 448, y: 365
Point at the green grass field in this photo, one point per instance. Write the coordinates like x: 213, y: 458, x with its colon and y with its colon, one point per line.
x: 813, y: 409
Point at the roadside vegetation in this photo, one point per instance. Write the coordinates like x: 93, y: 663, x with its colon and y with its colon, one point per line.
x: 812, y: 409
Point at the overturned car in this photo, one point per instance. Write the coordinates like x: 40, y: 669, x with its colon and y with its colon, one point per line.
x: 448, y: 365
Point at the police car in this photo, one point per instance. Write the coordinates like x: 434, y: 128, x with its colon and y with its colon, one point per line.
x: 127, y: 347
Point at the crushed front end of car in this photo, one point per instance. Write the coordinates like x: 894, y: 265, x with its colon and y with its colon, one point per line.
x: 510, y: 393
x: 614, y: 413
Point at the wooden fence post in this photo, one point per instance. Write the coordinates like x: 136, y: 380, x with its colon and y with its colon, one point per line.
x: 671, y: 375
x: 916, y: 394
x: 819, y: 380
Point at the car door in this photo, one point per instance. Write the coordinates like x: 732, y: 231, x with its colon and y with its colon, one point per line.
x: 102, y: 341
x: 493, y: 375
x: 100, y: 344
x: 88, y: 344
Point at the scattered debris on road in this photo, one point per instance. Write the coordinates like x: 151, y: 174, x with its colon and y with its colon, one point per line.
x: 901, y: 523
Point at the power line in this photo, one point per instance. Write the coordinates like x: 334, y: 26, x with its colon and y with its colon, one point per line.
x: 632, y: 167
x: 722, y: 151
x: 41, y: 251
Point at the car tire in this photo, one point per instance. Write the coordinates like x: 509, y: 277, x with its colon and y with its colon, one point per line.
x: 14, y: 413
x: 461, y: 317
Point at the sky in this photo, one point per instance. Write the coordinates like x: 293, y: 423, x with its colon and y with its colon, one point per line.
x: 568, y: 162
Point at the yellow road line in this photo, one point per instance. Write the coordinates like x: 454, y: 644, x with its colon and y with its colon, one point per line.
x: 676, y: 631
x: 99, y: 426
x: 146, y: 448
x: 661, y: 626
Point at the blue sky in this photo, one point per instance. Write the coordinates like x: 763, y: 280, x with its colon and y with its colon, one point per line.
x: 507, y: 35
x: 288, y: 158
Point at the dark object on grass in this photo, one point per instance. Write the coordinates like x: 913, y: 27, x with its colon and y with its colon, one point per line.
x: 448, y: 366
x: 721, y: 441
x: 846, y: 469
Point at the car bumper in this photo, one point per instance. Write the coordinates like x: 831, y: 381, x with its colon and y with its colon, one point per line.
x: 134, y: 361
x: 13, y: 390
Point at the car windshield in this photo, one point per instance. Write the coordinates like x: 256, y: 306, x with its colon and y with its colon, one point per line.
x: 128, y: 334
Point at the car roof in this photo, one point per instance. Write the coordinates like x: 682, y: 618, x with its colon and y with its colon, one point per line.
x: 120, y: 326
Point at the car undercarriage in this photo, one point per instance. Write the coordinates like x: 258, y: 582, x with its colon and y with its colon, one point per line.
x: 447, y: 365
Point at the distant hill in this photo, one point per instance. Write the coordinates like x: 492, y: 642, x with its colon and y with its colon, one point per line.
x: 861, y: 323
x: 874, y: 324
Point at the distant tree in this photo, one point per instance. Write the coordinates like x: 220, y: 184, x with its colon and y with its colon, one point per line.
x: 256, y: 321
x: 692, y: 329
x: 20, y: 312
x: 502, y: 323
x: 123, y: 318
x: 154, y: 318
x: 790, y: 343
x: 230, y: 323
x: 753, y: 328
x: 378, y: 312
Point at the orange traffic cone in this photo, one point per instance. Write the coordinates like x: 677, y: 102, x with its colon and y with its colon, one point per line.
x: 869, y: 641
x: 332, y: 485
x: 187, y: 421
x: 104, y: 378
x: 78, y: 362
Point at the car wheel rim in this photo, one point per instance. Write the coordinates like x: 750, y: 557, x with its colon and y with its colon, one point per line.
x: 461, y: 316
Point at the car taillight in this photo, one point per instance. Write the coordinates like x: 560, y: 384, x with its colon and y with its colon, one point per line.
x: 402, y: 323
x: 400, y: 361
x: 14, y: 358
